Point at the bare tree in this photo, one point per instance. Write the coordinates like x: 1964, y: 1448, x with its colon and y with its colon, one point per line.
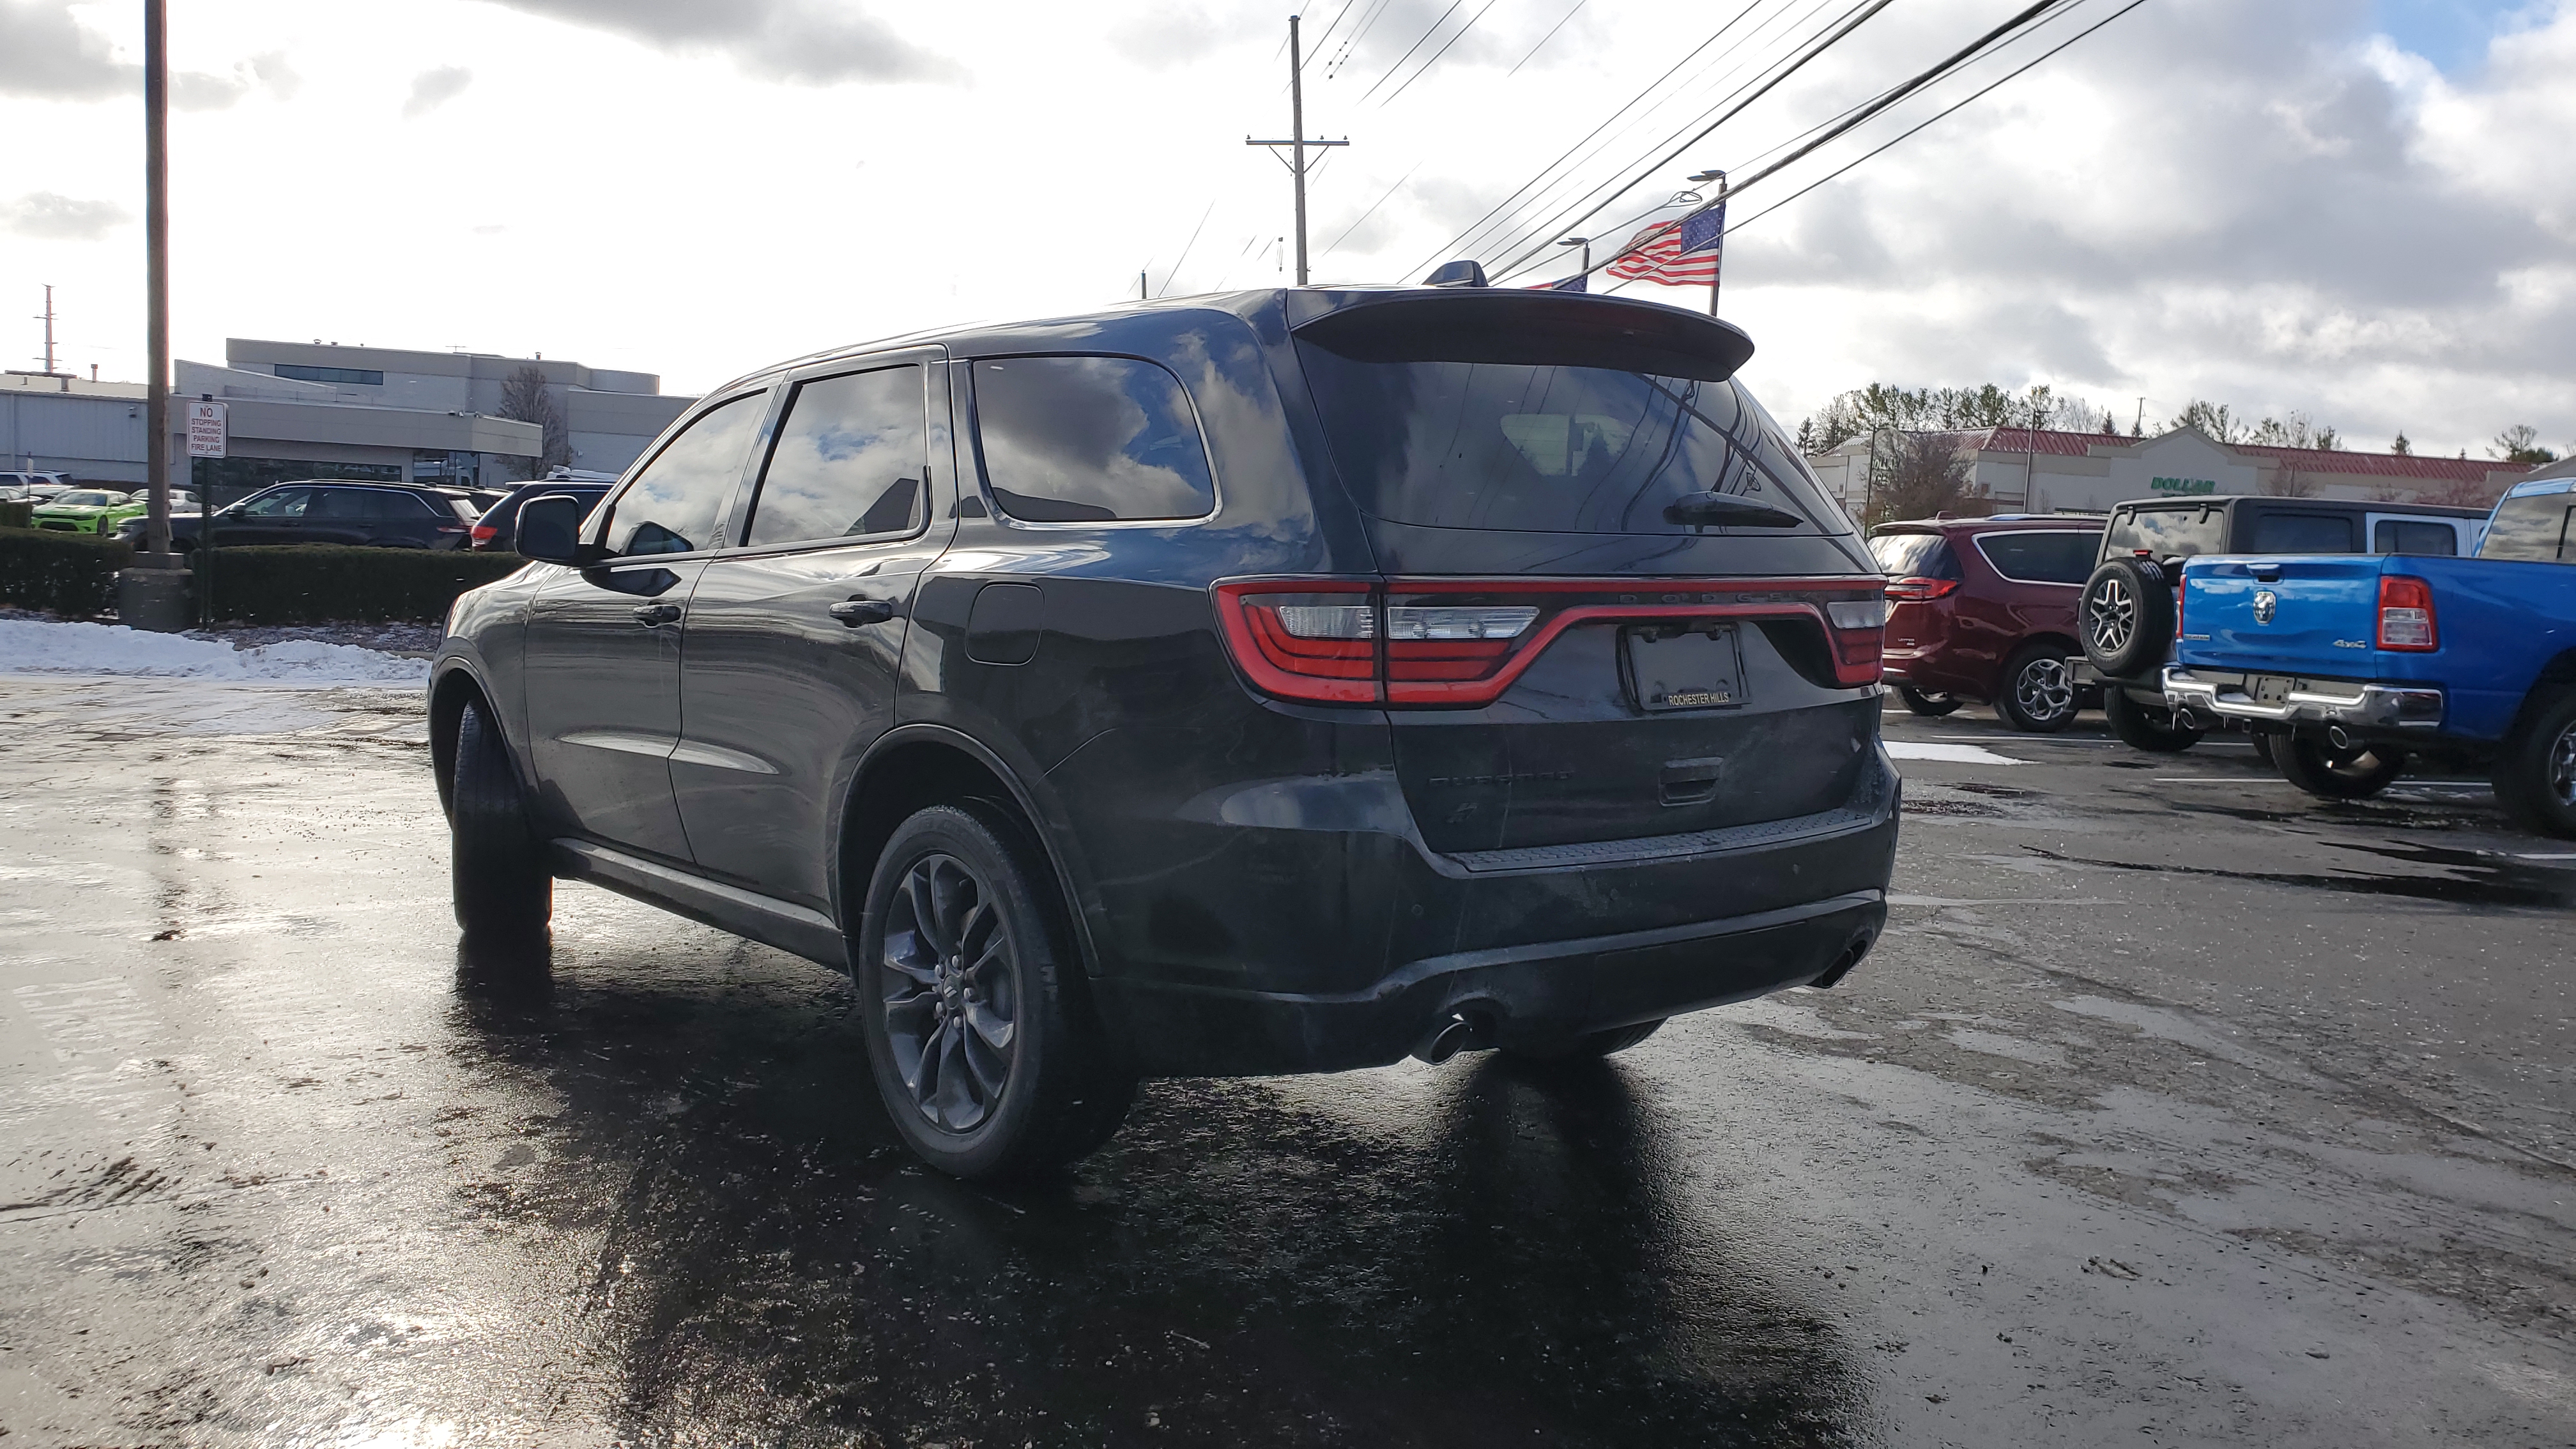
x: 2466, y: 493
x: 1923, y: 476
x: 2391, y: 493
x: 524, y: 399
x: 2521, y: 444
x: 2289, y: 480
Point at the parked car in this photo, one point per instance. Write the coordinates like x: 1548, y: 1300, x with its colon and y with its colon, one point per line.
x: 19, y: 487
x: 2350, y: 664
x: 2128, y: 601
x: 331, y: 510
x: 1276, y: 682
x: 139, y: 505
x: 497, y: 531
x: 77, y: 510
x: 1984, y: 609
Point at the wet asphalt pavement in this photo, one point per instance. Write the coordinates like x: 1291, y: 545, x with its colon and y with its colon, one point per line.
x: 2175, y: 1108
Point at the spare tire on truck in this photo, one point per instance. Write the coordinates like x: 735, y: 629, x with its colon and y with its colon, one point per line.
x: 2127, y: 617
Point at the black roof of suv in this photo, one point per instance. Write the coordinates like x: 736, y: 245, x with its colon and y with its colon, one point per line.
x: 1278, y: 681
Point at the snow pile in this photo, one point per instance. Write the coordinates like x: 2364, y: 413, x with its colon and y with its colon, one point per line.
x: 1953, y: 754
x: 41, y: 646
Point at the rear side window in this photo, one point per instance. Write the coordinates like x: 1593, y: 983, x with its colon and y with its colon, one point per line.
x: 2536, y: 528
x: 848, y: 460
x: 2041, y: 558
x: 339, y: 503
x: 2305, y: 533
x: 672, y: 506
x: 1914, y: 556
x: 2397, y: 535
x: 1531, y: 447
x: 1089, y: 439
x: 2167, y: 532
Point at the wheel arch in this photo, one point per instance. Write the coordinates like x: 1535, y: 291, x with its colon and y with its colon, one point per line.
x: 913, y: 767
x: 449, y: 692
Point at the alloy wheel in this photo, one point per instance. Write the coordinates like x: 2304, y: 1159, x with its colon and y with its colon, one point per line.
x: 2045, y: 689
x: 2110, y: 616
x: 950, y: 993
x: 2562, y: 768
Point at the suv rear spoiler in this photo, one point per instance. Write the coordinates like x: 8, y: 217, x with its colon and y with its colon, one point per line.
x: 1527, y: 328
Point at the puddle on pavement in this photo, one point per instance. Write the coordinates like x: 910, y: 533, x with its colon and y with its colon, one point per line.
x: 2489, y: 881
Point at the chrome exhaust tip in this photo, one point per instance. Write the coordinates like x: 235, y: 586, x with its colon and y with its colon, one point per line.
x: 1447, y: 1039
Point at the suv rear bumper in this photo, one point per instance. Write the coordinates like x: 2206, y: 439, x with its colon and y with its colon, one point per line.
x: 2350, y: 704
x: 1515, y: 996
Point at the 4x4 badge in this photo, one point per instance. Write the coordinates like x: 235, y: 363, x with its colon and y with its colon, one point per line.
x: 2266, y: 603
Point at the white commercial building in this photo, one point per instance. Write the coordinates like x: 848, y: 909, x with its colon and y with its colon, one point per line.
x: 2025, y: 470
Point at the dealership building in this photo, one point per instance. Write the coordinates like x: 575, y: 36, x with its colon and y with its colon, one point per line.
x: 310, y: 410
x: 2027, y: 470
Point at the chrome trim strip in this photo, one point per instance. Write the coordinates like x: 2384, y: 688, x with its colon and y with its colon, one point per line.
x: 655, y: 746
x: 694, y: 752
x: 2375, y: 706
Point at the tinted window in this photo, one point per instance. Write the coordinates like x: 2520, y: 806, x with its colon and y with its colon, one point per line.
x: 848, y: 460
x: 1552, y: 449
x: 2167, y: 532
x: 672, y: 506
x: 1081, y: 439
x: 340, y: 503
x: 284, y: 503
x: 2041, y: 558
x: 2391, y: 535
x: 2534, y: 528
x: 1914, y: 556
x: 2305, y: 533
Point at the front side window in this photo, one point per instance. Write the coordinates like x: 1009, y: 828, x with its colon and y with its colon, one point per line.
x: 1090, y: 439
x: 2041, y: 558
x: 674, y: 505
x: 284, y: 503
x: 848, y: 460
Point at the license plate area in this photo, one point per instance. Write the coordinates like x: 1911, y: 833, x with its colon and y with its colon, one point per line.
x: 2270, y: 688
x: 1669, y: 667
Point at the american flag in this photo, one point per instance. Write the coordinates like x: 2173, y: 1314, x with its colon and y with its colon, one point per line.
x: 1565, y: 284
x: 1676, y: 253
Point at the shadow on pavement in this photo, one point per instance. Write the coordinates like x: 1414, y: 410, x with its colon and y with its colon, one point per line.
x: 1486, y: 1256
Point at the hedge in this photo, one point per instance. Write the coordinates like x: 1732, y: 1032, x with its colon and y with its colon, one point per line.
x: 21, y: 514
x: 71, y: 574
x: 324, y: 583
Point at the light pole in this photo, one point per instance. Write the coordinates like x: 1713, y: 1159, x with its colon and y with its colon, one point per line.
x: 1702, y: 179
x: 1584, y: 242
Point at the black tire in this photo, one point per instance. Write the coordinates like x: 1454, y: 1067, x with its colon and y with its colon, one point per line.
x: 2336, y: 774
x: 2038, y: 694
x: 502, y: 887
x: 1588, y: 1048
x: 963, y: 939
x: 2127, y: 617
x: 2535, y: 773
x: 1930, y: 705
x: 2144, y: 727
x: 2263, y: 747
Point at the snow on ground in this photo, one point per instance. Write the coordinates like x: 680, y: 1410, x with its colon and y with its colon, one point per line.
x: 1954, y: 754
x: 39, y: 646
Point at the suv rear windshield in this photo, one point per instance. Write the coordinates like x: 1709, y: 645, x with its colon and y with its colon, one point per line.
x: 1552, y: 449
x: 1914, y: 556
x: 2167, y: 532
x: 2536, y: 527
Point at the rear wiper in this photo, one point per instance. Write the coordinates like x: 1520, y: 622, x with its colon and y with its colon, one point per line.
x: 1702, y: 509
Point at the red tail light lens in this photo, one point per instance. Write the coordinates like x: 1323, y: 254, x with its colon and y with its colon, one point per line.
x: 485, y: 533
x: 1919, y: 590
x: 2406, y: 615
x: 1462, y: 642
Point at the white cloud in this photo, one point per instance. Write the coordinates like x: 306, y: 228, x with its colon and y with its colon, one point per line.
x: 434, y: 88
x: 816, y: 42
x: 48, y: 217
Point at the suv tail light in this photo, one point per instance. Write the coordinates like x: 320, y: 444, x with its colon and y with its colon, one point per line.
x: 1462, y: 642
x: 2406, y: 614
x: 1919, y: 590
x: 484, y: 533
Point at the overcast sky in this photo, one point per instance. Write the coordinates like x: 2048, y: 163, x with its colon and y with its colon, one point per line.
x: 2362, y: 211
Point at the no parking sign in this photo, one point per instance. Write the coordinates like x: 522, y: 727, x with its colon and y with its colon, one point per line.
x: 206, y: 430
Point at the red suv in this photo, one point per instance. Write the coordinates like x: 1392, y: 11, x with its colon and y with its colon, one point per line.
x: 1984, y: 609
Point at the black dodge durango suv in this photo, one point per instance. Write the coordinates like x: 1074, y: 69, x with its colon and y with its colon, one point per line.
x: 1280, y: 681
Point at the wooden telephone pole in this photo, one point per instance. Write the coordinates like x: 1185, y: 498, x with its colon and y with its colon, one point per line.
x: 1297, y: 141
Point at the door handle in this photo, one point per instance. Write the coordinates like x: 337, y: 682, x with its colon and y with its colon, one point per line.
x: 649, y: 615
x: 854, y: 612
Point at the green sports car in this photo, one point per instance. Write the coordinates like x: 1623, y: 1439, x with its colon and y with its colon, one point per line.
x: 85, y: 510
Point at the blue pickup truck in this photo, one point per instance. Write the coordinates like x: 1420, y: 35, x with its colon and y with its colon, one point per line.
x: 2344, y: 664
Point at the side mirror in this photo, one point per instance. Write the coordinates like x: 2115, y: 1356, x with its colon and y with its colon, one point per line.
x: 550, y: 528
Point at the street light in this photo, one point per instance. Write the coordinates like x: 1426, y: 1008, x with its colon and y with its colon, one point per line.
x: 1584, y: 242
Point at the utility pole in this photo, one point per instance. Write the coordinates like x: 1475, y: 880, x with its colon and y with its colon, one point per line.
x: 48, y: 320
x: 156, y: 241
x: 1297, y: 141
x: 1140, y: 287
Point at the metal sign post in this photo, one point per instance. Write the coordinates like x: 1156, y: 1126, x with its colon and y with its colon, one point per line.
x: 209, y: 430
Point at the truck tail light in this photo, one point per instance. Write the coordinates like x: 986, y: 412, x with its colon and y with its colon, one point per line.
x: 1461, y: 643
x: 1918, y: 590
x: 2406, y: 614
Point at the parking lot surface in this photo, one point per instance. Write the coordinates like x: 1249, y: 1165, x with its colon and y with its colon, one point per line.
x: 2175, y: 1108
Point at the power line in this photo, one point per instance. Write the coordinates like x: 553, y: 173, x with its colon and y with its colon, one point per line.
x: 1734, y: 227
x: 1435, y: 55
x: 1168, y: 277
x: 1365, y: 215
x: 1409, y: 50
x: 1544, y: 39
